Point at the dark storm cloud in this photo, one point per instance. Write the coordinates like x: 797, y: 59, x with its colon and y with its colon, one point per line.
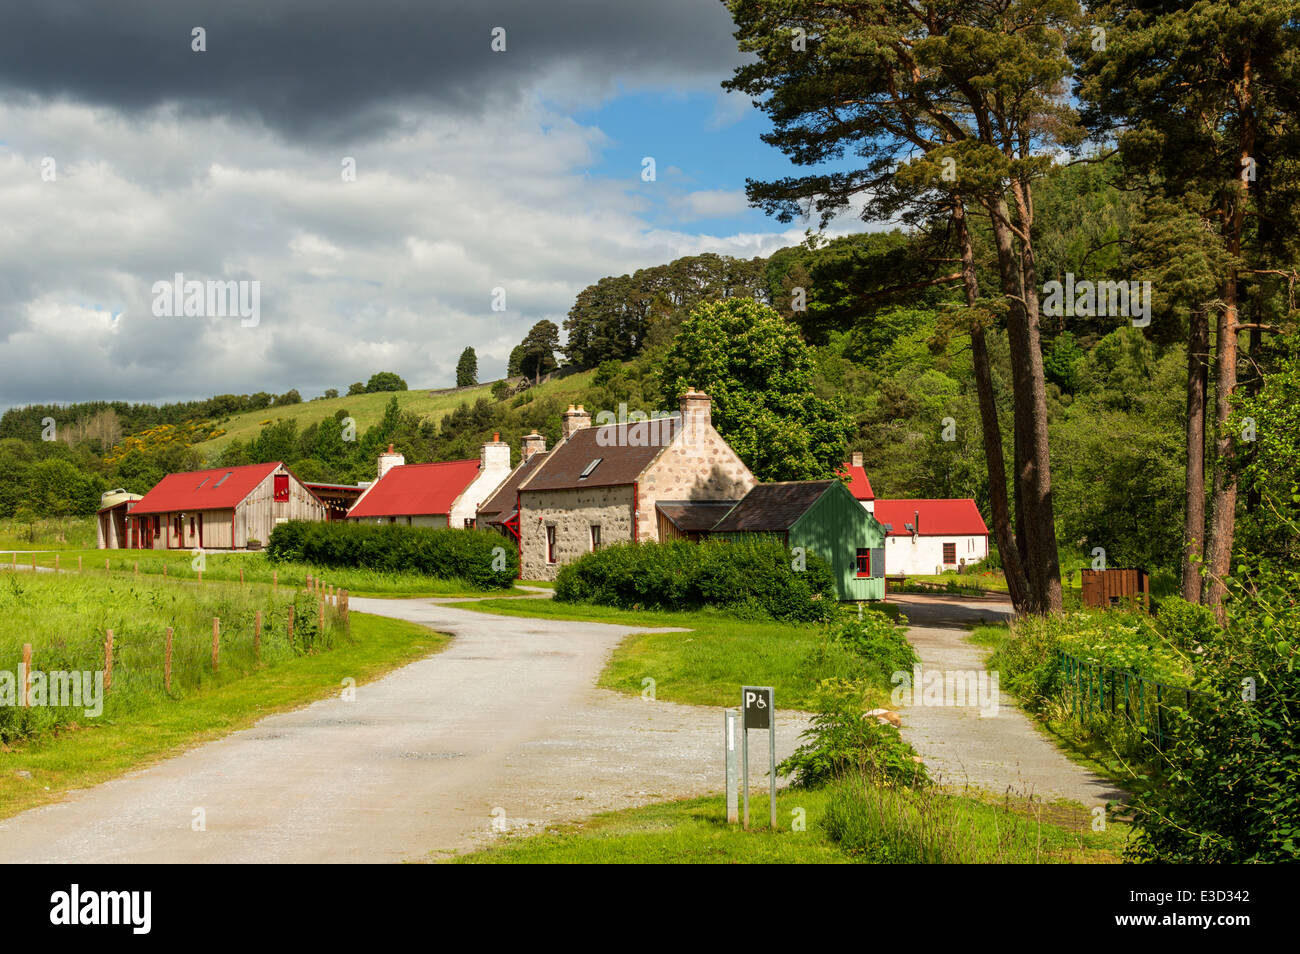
x: 334, y: 67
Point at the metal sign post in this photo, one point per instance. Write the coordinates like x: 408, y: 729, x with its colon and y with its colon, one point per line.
x: 731, y: 718
x: 757, y: 707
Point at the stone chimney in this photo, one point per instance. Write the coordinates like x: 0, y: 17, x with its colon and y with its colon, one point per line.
x: 534, y: 443
x: 574, y: 419
x: 495, y: 454
x: 857, y: 458
x: 388, y: 460
x: 697, y: 410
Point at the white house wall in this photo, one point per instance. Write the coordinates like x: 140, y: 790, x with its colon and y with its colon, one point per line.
x: 907, y: 555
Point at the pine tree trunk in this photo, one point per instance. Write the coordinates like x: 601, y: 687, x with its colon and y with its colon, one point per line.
x: 1223, y: 496
x: 1012, y: 567
x: 1198, y: 347
x: 1035, y: 526
x: 1044, y: 522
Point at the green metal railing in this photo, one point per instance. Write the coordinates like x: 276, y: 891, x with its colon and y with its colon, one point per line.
x: 1090, y: 688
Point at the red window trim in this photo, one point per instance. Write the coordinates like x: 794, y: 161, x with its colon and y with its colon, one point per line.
x: 863, y: 554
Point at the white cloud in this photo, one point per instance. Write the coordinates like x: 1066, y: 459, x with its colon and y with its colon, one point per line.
x: 393, y: 271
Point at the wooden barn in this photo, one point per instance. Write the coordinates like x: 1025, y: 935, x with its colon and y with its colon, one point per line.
x: 823, y: 517
x: 219, y: 509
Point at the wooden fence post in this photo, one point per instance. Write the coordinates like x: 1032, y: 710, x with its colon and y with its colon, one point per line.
x: 308, y: 582
x: 34, y: 562
x: 200, y: 576
x: 291, y: 626
x: 108, y: 661
x: 241, y: 576
x: 320, y: 618
x: 257, y: 635
x: 167, y: 662
x: 27, y: 674
x: 56, y: 563
x: 78, y: 564
x: 137, y: 567
x: 164, y: 569
x: 106, y: 570
x: 216, y: 634
x: 14, y: 564
x: 347, y: 609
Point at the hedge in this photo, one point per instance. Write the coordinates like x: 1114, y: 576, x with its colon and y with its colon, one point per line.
x: 754, y: 578
x: 481, y: 558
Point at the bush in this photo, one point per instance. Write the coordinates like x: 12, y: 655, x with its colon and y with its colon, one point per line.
x: 479, y: 557
x: 1229, y: 790
x: 754, y: 579
x: 844, y: 741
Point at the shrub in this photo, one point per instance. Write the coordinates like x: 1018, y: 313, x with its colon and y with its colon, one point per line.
x: 1229, y: 790
x: 844, y: 741
x: 749, y: 578
x: 479, y: 557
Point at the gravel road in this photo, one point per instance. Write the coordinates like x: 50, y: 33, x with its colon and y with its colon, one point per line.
x: 503, y: 729
x: 1001, y: 752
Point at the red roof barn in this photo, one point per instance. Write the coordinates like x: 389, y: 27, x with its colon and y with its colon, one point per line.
x: 223, y: 508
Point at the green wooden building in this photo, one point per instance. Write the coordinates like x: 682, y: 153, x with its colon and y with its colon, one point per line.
x: 823, y: 517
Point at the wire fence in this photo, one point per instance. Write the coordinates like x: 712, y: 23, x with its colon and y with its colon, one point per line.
x: 1091, y: 688
x: 140, y: 657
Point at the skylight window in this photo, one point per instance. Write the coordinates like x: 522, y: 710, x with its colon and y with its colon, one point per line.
x: 587, y: 471
x: 223, y: 479
x: 202, y: 482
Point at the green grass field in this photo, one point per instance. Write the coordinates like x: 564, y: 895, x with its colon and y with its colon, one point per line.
x: 256, y: 567
x: 708, y: 665
x: 844, y: 823
x: 368, y: 409
x: 48, y: 533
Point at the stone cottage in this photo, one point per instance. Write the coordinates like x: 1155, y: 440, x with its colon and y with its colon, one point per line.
x: 632, y: 481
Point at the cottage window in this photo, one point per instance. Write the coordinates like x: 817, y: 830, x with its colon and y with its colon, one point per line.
x: 469, y: 523
x: 950, y: 553
x: 864, y: 561
x: 550, y: 544
x: 281, y: 488
x: 595, y: 537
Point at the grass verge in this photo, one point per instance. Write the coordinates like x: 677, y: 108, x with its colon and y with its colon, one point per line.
x: 707, y: 665
x: 842, y: 823
x: 38, y: 772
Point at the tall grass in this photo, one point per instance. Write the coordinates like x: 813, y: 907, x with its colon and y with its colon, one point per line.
x: 47, y: 533
x: 256, y: 567
x: 925, y: 824
x: 65, y: 618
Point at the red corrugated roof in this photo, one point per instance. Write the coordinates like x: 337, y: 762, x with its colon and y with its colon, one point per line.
x: 221, y: 488
x: 417, y: 490
x: 938, y: 517
x: 859, y: 486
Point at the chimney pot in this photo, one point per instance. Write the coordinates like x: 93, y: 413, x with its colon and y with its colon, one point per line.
x: 857, y: 458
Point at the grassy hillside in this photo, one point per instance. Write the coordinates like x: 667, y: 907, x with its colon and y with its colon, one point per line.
x: 368, y: 409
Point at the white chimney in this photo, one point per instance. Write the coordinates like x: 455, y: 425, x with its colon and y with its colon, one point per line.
x: 574, y: 419
x: 495, y: 454
x: 388, y: 460
x: 534, y: 443
x: 857, y: 458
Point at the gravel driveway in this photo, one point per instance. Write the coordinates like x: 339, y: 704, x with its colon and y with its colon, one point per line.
x: 503, y: 729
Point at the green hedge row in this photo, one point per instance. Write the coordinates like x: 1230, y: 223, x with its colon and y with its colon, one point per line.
x: 754, y: 578
x: 479, y: 557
